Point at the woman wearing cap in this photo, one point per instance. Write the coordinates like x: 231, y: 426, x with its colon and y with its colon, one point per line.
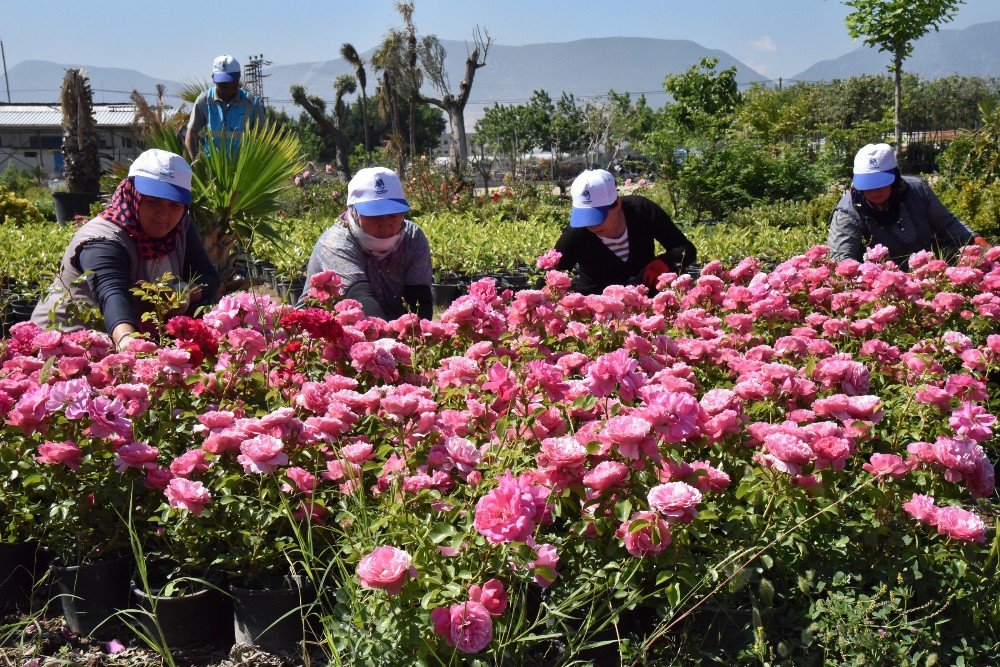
x: 899, y: 212
x: 144, y: 233
x: 383, y: 259
x: 612, y: 238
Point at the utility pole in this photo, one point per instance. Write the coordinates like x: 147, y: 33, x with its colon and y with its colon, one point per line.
x: 253, y: 76
x: 5, y: 79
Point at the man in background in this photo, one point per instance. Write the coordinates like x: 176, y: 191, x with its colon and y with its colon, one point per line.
x: 223, y: 111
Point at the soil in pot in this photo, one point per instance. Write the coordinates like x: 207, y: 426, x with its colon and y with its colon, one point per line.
x: 91, y: 594
x: 275, y: 619
x: 200, y: 618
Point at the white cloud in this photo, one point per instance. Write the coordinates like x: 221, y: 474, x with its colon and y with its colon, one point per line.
x: 765, y: 45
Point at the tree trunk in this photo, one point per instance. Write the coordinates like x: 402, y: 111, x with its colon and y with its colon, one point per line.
x: 459, y: 153
x: 364, y: 123
x: 898, y: 66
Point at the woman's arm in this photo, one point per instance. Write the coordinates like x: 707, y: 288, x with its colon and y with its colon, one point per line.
x: 109, y: 275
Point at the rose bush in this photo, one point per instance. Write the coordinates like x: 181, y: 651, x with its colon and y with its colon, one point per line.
x: 762, y: 440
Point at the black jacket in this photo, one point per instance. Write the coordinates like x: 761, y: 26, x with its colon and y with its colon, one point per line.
x: 599, y: 267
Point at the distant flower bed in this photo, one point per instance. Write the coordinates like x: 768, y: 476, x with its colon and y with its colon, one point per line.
x: 516, y: 478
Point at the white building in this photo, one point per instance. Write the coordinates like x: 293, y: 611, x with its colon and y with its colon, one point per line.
x: 31, y: 135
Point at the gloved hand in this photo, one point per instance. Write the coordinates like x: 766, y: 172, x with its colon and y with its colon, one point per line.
x: 981, y: 242
x: 653, y: 271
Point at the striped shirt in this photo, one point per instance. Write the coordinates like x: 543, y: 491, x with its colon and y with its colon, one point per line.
x: 619, y: 246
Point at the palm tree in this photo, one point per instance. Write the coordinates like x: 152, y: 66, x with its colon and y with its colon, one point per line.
x: 80, y: 146
x: 234, y: 193
x: 351, y: 55
x: 413, y: 76
x: 388, y: 60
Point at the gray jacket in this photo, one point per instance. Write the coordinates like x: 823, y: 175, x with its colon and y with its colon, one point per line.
x: 67, y: 287
x: 409, y: 264
x: 924, y: 224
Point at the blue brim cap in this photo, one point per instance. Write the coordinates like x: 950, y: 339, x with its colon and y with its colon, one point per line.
x: 588, y: 217
x: 382, y: 207
x: 154, y: 188
x: 874, y: 181
x: 225, y: 77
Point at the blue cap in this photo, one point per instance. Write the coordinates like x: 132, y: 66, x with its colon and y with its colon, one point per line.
x: 874, y: 181
x: 376, y: 191
x: 589, y: 217
x: 162, y: 174
x: 594, y: 193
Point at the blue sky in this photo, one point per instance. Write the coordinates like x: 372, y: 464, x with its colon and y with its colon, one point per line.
x: 178, y: 39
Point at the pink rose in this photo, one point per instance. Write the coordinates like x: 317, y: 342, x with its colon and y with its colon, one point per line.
x: 960, y: 524
x: 467, y: 626
x: 509, y: 512
x: 544, y: 565
x: 645, y: 534
x: 135, y: 455
x: 188, y: 495
x: 676, y: 501
x: 922, y: 508
x: 887, y: 465
x: 387, y: 568
x: 190, y: 463
x: 605, y: 475
x: 263, y: 454
x: 304, y: 480
x: 491, y: 595
x: 54, y: 453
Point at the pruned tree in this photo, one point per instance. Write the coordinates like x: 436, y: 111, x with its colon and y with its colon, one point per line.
x: 316, y: 108
x: 893, y: 26
x: 432, y: 58
x: 351, y: 55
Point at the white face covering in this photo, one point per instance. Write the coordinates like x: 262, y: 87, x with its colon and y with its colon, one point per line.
x: 378, y: 248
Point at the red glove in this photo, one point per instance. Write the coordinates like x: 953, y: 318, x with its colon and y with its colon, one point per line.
x: 653, y: 271
x: 981, y: 242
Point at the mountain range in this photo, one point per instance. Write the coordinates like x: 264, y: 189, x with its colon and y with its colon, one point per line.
x: 974, y: 51
x: 587, y: 68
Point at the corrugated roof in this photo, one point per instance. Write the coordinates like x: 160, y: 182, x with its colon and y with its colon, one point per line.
x: 50, y: 115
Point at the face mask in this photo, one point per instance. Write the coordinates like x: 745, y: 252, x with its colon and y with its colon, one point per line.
x: 378, y: 248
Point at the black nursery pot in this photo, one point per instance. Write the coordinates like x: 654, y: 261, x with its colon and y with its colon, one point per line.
x: 71, y: 204
x: 91, y: 594
x: 445, y: 293
x: 17, y: 575
x: 274, y: 619
x: 195, y: 619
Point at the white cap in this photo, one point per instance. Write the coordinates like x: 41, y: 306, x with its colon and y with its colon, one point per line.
x: 594, y: 192
x: 162, y: 174
x: 376, y: 191
x: 874, y: 167
x: 225, y: 69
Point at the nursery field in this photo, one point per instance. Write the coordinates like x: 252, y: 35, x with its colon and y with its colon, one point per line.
x: 764, y: 463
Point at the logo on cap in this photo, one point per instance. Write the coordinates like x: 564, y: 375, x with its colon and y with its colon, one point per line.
x: 873, y: 161
x: 585, y: 195
x: 379, y: 187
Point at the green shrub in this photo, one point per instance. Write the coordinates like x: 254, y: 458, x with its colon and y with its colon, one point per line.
x: 15, y: 210
x: 976, y: 202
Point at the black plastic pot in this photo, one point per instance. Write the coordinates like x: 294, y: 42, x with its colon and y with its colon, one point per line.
x: 91, y: 594
x: 71, y: 204
x: 17, y: 574
x: 445, y: 293
x: 275, y: 620
x: 186, y: 621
